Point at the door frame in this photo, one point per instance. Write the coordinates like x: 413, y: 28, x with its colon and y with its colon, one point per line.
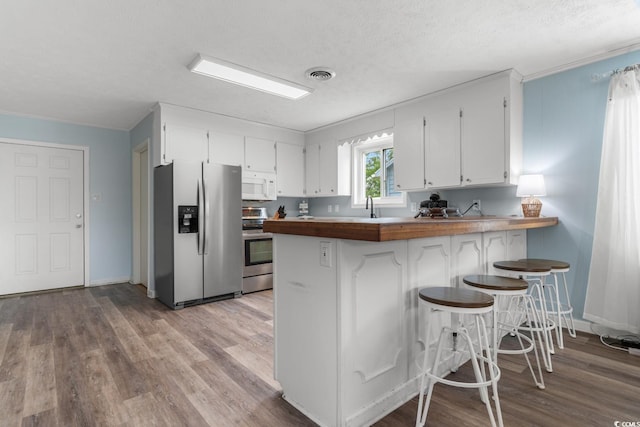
x: 137, y: 263
x: 85, y: 197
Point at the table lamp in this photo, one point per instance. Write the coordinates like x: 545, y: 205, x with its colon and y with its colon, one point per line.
x: 529, y: 187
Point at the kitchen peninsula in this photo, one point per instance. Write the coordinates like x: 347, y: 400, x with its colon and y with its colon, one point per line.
x: 347, y: 326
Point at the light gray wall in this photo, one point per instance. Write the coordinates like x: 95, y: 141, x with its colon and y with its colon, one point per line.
x: 110, y: 176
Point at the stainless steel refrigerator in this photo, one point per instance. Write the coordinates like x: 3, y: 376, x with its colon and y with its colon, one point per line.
x: 197, y: 232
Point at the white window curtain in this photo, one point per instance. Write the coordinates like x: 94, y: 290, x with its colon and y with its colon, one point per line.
x: 613, y: 292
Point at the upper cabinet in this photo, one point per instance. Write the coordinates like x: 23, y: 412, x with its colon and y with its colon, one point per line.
x: 226, y: 149
x: 467, y: 136
x: 290, y: 169
x: 328, y: 171
x: 184, y: 143
x: 259, y: 155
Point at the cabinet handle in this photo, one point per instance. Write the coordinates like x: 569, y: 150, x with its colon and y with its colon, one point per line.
x: 430, y: 183
x: 398, y: 186
x: 248, y: 166
x: 468, y: 180
x: 332, y: 190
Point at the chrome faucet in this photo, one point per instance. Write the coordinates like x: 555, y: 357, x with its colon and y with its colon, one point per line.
x: 373, y: 215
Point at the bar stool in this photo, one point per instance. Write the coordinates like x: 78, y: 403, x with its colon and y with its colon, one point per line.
x: 513, y: 310
x: 563, y: 311
x: 460, y: 302
x: 534, y: 274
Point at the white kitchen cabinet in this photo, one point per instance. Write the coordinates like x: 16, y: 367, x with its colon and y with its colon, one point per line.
x: 259, y: 155
x: 442, y: 140
x: 184, y: 143
x: 409, y: 147
x: 328, y: 169
x: 290, y: 169
x: 226, y: 149
x: 467, y: 136
x: 483, y: 133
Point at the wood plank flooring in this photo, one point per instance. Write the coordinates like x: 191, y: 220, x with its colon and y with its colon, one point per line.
x: 109, y: 356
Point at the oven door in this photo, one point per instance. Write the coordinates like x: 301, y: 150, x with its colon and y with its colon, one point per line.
x: 258, y: 253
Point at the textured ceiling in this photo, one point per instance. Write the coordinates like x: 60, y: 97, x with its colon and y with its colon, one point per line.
x: 106, y: 63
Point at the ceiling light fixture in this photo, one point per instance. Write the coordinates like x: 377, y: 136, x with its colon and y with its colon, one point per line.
x: 243, y: 76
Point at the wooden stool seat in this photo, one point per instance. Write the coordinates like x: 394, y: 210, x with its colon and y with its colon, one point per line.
x: 523, y: 266
x: 552, y: 263
x: 455, y: 297
x: 496, y: 283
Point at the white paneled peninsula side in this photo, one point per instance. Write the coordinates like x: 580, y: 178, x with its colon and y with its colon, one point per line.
x: 347, y: 325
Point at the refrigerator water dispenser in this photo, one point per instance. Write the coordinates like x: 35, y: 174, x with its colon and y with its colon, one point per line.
x: 187, y: 219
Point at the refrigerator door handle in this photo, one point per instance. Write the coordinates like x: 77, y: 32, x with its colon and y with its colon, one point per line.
x: 205, y: 192
x: 201, y: 222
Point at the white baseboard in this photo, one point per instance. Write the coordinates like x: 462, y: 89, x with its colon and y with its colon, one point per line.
x: 113, y: 281
x: 583, y: 326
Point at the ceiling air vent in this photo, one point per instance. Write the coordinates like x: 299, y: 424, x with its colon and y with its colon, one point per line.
x: 320, y: 74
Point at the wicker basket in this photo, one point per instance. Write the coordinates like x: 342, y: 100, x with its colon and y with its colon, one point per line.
x: 531, y: 207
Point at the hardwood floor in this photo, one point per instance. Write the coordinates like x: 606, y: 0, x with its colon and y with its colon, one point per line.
x: 110, y: 356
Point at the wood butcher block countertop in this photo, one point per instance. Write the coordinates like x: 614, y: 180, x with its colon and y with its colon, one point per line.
x: 386, y: 229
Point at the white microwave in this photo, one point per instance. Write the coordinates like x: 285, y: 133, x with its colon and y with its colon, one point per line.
x: 258, y: 186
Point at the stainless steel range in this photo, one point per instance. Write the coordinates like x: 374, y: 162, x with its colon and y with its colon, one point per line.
x: 257, y: 273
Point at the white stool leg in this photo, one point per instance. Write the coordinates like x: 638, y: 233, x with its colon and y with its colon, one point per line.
x: 539, y: 315
x: 568, y: 319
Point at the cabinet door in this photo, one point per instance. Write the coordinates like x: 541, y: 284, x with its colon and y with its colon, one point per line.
x: 226, y: 149
x: 290, y: 169
x: 312, y: 169
x: 484, y: 134
x: 494, y: 246
x: 409, y: 147
x: 442, y: 135
x: 185, y: 143
x: 328, y: 169
x: 259, y: 155
x: 466, y: 255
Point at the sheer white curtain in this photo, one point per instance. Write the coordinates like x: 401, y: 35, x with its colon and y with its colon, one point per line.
x: 613, y: 293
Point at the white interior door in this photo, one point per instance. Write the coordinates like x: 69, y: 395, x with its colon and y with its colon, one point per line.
x: 41, y: 218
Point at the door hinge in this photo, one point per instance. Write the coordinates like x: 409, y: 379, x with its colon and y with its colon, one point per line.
x: 504, y: 102
x: 425, y: 181
x: 164, y: 127
x: 460, y: 178
x: 461, y: 112
x: 505, y: 174
x: 424, y: 121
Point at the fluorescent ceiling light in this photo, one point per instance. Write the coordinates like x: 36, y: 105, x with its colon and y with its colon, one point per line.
x: 243, y: 76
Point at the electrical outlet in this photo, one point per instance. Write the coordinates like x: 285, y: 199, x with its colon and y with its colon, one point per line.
x: 477, y: 206
x: 329, y: 208
x: 325, y: 254
x: 336, y: 208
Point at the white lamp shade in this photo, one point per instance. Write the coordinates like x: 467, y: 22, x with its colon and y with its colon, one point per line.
x: 530, y: 186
